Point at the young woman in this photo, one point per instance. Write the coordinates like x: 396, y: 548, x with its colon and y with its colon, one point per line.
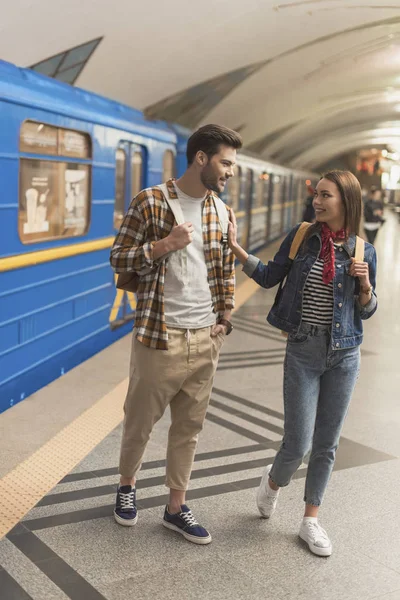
x: 326, y: 296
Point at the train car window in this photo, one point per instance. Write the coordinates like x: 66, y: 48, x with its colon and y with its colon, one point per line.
x: 38, y: 138
x: 74, y: 143
x: 260, y: 192
x: 119, y: 206
x: 136, y: 173
x: 233, y: 188
x: 53, y: 200
x: 248, y: 189
x: 54, y: 196
x: 168, y: 165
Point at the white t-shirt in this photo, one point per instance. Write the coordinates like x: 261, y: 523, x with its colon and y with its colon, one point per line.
x: 187, y: 294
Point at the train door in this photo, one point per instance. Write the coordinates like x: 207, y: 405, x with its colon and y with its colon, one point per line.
x: 246, y: 199
x: 130, y: 162
x: 268, y: 201
x: 284, y: 201
x: 289, y: 203
x: 233, y: 197
x: 276, y: 225
x: 259, y: 212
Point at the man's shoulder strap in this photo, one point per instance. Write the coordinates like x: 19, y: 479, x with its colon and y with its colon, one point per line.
x: 223, y: 217
x: 173, y: 203
x: 298, y: 239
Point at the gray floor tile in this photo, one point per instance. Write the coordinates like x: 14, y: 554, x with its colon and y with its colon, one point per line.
x: 392, y: 596
x: 93, y: 548
x: 378, y: 538
x: 211, y: 578
x: 27, y: 575
x: 288, y: 565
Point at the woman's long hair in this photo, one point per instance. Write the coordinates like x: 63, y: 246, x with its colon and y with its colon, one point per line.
x: 350, y: 192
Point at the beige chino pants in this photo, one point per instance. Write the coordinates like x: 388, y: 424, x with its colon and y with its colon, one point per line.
x: 180, y: 377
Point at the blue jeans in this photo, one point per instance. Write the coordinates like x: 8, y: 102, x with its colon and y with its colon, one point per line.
x: 318, y: 385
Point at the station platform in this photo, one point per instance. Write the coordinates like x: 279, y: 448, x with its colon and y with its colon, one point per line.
x: 58, y: 477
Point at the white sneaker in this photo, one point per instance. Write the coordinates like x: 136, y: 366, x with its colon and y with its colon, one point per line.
x: 267, y: 498
x: 316, y: 537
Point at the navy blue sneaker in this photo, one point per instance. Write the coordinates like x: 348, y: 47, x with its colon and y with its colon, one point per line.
x: 125, y: 511
x: 185, y: 523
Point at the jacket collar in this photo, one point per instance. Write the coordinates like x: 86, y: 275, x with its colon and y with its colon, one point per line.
x: 349, y: 244
x: 172, y: 190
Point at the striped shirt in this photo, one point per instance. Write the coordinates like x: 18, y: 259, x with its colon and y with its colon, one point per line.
x: 318, y: 297
x: 148, y: 220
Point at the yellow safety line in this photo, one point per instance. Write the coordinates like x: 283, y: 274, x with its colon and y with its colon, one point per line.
x: 32, y: 479
x: 34, y: 258
x: 244, y: 292
x: 23, y: 487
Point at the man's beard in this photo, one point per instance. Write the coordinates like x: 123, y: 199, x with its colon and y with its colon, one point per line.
x: 210, y: 182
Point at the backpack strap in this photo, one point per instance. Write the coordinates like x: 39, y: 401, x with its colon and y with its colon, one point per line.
x: 176, y: 209
x: 360, y: 249
x: 298, y: 239
x: 223, y: 217
x: 173, y: 203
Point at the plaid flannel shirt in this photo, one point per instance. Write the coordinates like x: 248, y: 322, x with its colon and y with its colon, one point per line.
x: 148, y: 220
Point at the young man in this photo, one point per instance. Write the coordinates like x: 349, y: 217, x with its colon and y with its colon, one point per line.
x: 184, y: 302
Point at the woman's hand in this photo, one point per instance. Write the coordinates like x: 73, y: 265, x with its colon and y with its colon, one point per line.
x: 232, y: 239
x: 360, y: 270
x: 232, y: 230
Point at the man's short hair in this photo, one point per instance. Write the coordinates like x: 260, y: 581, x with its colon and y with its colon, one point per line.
x: 209, y: 138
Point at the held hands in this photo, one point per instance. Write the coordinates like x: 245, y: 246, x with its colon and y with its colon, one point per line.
x: 180, y: 236
x: 360, y: 270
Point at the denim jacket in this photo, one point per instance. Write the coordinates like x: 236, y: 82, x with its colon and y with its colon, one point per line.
x: 286, y: 313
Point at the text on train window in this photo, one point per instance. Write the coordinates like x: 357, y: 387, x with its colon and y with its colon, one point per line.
x: 39, y: 138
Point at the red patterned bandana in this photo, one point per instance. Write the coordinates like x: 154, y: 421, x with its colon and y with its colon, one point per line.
x: 328, y: 251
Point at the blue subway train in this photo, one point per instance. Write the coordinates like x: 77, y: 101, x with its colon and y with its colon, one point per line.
x: 70, y: 162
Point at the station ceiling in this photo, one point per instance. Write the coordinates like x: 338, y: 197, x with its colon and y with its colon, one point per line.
x: 302, y: 80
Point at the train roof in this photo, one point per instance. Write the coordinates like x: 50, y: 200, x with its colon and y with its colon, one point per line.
x: 28, y: 88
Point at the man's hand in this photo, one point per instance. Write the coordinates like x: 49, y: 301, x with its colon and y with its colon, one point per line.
x: 180, y: 236
x: 216, y: 329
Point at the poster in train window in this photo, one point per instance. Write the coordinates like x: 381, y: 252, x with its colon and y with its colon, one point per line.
x: 38, y: 138
x: 38, y: 200
x: 53, y: 200
x: 76, y: 199
x: 74, y: 143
